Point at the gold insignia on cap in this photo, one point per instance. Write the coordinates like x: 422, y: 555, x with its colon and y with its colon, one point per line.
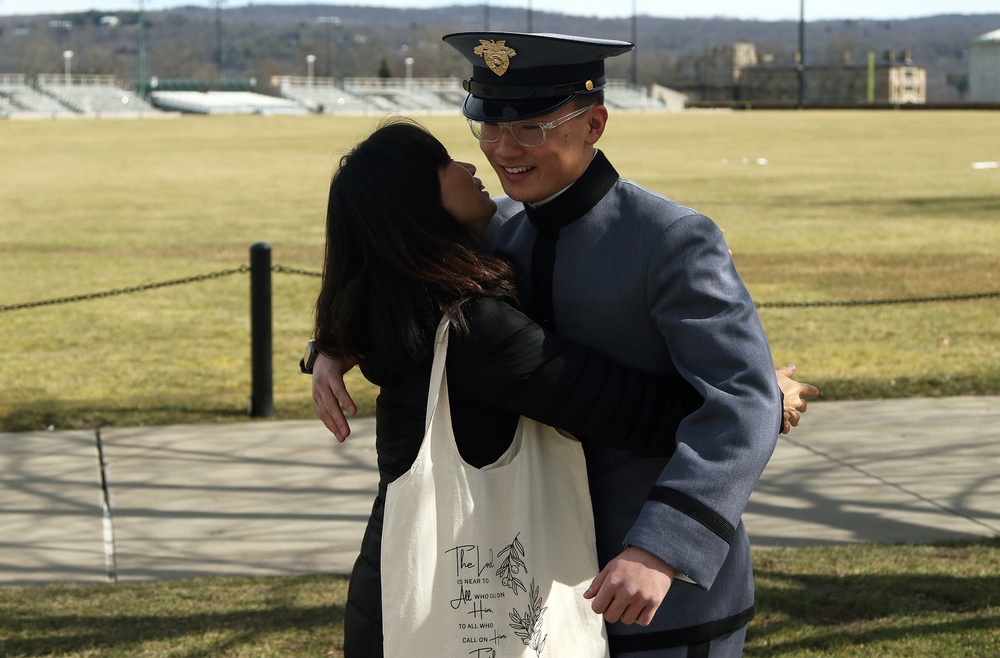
x: 496, y: 54
x: 589, y: 85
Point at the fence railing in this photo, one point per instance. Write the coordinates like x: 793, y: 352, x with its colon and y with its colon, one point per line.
x: 11, y: 79
x: 83, y: 80
x: 261, y: 320
x: 362, y: 85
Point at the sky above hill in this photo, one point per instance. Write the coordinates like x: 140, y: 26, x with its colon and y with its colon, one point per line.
x: 769, y: 10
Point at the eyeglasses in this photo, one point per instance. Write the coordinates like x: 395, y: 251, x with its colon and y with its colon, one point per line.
x: 525, y: 133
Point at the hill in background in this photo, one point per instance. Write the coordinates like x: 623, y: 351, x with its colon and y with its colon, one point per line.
x: 261, y: 41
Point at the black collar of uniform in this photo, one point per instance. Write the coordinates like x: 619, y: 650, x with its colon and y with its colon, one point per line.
x: 577, y: 201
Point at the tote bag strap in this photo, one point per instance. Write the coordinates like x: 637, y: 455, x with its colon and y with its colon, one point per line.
x: 437, y: 369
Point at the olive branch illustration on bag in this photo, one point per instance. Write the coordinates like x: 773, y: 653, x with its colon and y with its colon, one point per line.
x: 512, y: 565
x: 529, y: 626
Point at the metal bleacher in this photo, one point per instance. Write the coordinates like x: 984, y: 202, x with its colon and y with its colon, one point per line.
x: 321, y: 95
x: 226, y: 102
x: 412, y: 94
x: 17, y: 97
x: 374, y: 95
x: 93, y: 95
x: 420, y: 95
x: 58, y: 95
x: 620, y: 95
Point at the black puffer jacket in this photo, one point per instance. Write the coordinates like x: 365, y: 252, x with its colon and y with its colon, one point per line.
x: 507, y: 367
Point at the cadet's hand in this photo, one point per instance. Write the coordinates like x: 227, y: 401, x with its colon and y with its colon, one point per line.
x: 631, y: 587
x: 329, y: 393
x: 794, y: 405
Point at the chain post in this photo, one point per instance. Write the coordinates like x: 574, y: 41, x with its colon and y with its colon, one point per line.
x: 261, y: 353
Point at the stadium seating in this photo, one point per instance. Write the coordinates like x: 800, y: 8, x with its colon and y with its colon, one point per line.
x: 420, y: 95
x: 17, y: 97
x: 93, y: 95
x: 225, y: 102
x: 623, y: 96
x: 322, y: 96
x: 97, y: 95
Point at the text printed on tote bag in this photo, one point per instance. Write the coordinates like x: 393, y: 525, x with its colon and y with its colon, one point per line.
x: 483, y: 587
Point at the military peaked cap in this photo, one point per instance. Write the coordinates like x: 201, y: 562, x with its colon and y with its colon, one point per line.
x: 519, y: 76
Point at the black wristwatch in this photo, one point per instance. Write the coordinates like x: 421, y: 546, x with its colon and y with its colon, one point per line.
x: 309, y: 360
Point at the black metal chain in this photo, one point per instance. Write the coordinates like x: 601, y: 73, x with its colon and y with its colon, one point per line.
x: 293, y: 270
x: 282, y: 269
x: 126, y: 291
x: 877, y: 302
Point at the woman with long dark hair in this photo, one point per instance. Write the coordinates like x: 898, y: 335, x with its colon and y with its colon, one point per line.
x: 403, y: 222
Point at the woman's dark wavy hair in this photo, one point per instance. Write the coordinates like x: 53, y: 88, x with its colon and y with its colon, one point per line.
x: 395, y: 258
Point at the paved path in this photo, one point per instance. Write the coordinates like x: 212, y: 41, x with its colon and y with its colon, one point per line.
x: 271, y: 498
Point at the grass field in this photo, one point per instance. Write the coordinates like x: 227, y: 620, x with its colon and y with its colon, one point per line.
x: 849, y: 206
x: 938, y: 601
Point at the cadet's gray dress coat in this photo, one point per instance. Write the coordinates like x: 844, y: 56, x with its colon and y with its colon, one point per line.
x: 651, y: 284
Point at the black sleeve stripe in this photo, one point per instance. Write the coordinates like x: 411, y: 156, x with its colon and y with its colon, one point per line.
x: 696, y: 510
x: 678, y: 637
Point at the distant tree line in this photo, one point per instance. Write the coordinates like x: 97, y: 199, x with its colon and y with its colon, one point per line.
x: 259, y: 42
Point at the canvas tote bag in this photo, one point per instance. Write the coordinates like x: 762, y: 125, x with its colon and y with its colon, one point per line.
x: 489, y: 562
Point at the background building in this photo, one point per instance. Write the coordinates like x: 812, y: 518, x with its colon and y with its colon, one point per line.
x: 714, y: 74
x: 892, y: 80
x: 984, y: 68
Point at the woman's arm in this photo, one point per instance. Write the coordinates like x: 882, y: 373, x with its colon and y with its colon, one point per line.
x: 510, y: 364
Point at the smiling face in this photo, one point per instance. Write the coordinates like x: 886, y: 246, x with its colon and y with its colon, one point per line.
x: 533, y: 174
x: 464, y: 196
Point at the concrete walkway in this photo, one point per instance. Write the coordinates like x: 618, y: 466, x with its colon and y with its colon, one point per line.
x: 268, y: 498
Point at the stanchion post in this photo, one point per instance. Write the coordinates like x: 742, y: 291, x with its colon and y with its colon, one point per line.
x: 262, y: 395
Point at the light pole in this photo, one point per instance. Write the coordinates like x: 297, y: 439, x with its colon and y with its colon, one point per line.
x: 68, y: 66
x: 330, y: 22
x: 801, y: 64
x: 486, y: 16
x: 310, y: 65
x: 142, y: 51
x: 635, y: 46
x: 218, y: 34
x: 529, y: 15
x: 62, y: 29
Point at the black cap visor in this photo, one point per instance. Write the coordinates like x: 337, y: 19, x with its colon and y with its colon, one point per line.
x: 480, y: 109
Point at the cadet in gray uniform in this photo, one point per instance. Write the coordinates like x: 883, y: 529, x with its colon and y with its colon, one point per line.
x: 650, y: 283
